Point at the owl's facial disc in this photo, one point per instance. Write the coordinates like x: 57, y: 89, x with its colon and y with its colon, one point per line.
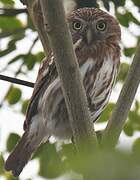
x: 90, y: 36
x: 95, y: 32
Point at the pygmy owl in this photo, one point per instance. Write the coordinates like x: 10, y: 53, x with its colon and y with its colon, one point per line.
x: 96, y: 36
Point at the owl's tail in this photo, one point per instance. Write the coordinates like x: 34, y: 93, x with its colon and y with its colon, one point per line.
x: 22, y: 153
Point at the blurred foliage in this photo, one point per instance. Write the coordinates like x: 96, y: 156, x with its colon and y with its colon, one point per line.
x: 123, y: 72
x: 7, y: 2
x: 50, y: 166
x: 136, y: 146
x: 1, y: 164
x: 13, y: 95
x: 24, y: 106
x: 12, y: 141
x: 54, y: 160
x: 106, y: 113
x: 133, y: 122
x: 101, y: 165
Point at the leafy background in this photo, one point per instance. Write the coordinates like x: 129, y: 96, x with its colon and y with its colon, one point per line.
x: 20, y: 56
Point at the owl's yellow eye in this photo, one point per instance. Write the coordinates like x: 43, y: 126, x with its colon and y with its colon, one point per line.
x: 101, y: 25
x: 77, y: 25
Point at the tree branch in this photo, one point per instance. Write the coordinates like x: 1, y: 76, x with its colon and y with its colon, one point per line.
x: 120, y: 113
x: 11, y: 11
x: 34, y: 10
x: 69, y: 73
x: 16, y: 81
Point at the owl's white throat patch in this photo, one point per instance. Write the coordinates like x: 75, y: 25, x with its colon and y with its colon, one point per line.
x: 76, y: 45
x: 88, y: 65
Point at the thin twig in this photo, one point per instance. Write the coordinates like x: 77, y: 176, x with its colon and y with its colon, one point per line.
x: 11, y: 11
x: 16, y: 81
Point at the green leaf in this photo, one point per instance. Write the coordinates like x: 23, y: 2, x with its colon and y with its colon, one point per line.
x: 136, y: 2
x: 12, y: 141
x: 134, y: 119
x: 67, y: 153
x: 126, y: 18
x: 129, y: 51
x: 123, y: 20
x: 134, y: 116
x: 128, y: 129
x: 1, y: 164
x: 8, y: 2
x: 50, y: 163
x: 123, y: 72
x: 137, y: 106
x: 14, y: 95
x: 24, y: 106
x: 15, y: 59
x: 30, y: 61
x: 18, y: 36
x: 11, y: 177
x: 106, y: 113
x: 136, y: 146
x: 10, y: 23
x: 8, y: 50
x: 11, y: 45
x: 68, y: 150
x: 39, y: 56
x: 131, y: 18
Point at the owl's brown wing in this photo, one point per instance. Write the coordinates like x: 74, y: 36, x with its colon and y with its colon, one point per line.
x: 46, y: 74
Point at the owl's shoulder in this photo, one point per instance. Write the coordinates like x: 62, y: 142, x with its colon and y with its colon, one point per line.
x: 46, y: 74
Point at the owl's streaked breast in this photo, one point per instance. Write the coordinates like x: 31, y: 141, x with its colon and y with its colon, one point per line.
x: 99, y: 89
x: 97, y: 84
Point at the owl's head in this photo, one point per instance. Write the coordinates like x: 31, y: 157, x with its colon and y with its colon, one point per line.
x: 93, y: 26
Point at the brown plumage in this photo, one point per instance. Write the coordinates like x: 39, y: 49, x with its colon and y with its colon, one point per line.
x: 96, y: 36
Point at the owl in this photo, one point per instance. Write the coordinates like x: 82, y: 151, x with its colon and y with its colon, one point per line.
x: 96, y: 36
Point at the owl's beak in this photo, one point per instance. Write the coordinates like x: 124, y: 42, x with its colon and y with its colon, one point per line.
x: 89, y: 36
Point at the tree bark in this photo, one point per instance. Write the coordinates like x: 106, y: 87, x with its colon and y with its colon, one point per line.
x: 68, y: 70
x: 34, y: 10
